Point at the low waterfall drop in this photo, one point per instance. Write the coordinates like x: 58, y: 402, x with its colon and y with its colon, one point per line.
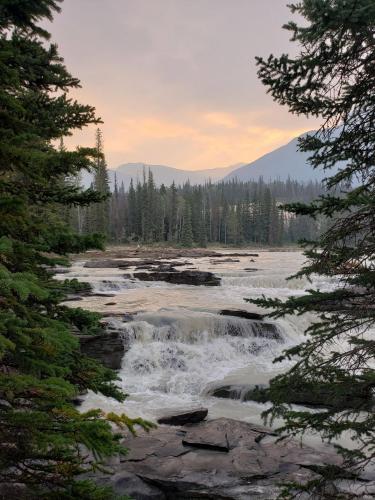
x: 178, y: 345
x: 181, y: 351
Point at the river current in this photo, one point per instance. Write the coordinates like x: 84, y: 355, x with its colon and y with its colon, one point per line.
x: 181, y: 347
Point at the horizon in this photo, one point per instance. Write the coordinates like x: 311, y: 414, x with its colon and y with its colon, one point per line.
x: 194, y: 104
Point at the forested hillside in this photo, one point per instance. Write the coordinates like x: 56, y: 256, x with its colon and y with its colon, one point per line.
x: 229, y: 212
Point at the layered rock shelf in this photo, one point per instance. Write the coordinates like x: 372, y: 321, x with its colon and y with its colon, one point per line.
x: 218, y: 459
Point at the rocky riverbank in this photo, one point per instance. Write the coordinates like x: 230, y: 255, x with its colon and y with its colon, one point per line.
x: 217, y: 459
x: 162, y: 253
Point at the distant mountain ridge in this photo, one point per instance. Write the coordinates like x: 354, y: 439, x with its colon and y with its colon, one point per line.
x: 281, y: 163
x: 166, y: 175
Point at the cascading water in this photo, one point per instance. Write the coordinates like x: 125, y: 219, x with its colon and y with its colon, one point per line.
x: 176, y: 352
x: 178, y: 345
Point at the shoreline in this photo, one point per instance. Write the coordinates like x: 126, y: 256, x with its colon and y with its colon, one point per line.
x: 172, y: 252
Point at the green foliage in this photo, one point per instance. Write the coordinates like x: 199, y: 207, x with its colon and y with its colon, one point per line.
x: 87, y: 322
x: 332, y: 77
x: 74, y: 286
x: 42, y: 435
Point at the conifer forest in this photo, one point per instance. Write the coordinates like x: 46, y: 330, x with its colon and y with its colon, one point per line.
x: 228, y: 213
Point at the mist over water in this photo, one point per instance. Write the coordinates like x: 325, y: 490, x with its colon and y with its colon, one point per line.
x: 180, y: 347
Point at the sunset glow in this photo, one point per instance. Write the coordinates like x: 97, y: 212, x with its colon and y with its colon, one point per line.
x: 175, y: 81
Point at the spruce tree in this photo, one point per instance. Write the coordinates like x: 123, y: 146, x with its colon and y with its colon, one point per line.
x: 115, y: 213
x: 187, y: 230
x: 44, y: 439
x: 100, y: 211
x: 332, y: 77
x: 132, y: 211
x: 172, y: 220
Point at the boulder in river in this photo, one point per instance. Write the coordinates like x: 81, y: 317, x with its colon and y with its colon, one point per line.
x: 238, y: 313
x: 192, y: 416
x: 186, y: 277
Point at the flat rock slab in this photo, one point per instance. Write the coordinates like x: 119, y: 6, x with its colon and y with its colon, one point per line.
x: 217, y: 459
x: 192, y: 416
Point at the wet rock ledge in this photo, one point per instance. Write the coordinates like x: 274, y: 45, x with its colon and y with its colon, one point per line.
x: 108, y: 347
x: 195, y: 278
x: 218, y: 459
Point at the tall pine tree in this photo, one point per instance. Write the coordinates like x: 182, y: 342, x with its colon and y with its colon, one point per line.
x: 187, y: 230
x: 43, y: 437
x: 333, y: 78
x: 100, y: 211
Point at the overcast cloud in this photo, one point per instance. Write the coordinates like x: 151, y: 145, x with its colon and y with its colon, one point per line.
x: 175, y: 80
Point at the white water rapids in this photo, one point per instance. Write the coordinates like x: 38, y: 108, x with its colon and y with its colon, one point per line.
x: 181, y: 347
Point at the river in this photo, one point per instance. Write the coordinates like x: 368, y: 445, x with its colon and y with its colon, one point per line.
x: 181, y: 347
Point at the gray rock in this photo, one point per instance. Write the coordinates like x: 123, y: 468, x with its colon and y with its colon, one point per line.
x: 218, y: 459
x: 184, y: 417
x: 258, y: 328
x: 124, y: 482
x: 108, y: 348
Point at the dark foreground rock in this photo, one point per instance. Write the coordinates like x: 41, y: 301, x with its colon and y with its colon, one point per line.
x: 187, y: 277
x: 184, y: 417
x: 219, y: 459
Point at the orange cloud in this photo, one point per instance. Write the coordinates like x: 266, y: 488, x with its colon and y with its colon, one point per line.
x: 194, y: 140
x: 226, y: 120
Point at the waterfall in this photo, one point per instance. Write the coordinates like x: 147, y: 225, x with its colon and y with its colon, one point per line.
x: 181, y: 351
x: 175, y: 355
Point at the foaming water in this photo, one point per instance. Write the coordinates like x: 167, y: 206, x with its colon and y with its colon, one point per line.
x: 178, y: 343
x: 180, y: 352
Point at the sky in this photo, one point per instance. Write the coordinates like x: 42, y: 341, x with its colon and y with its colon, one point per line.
x: 175, y: 80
